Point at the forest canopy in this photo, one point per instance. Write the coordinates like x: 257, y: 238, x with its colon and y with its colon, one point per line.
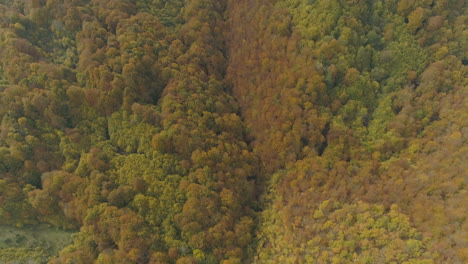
x: 247, y: 131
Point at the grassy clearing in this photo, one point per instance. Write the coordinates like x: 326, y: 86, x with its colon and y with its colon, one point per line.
x: 32, y: 244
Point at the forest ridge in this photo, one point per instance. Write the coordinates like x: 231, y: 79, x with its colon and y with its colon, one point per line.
x: 235, y: 131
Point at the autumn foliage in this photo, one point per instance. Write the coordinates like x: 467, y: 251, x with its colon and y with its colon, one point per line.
x: 205, y: 131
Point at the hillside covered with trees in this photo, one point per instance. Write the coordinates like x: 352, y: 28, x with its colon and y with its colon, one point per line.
x: 235, y: 131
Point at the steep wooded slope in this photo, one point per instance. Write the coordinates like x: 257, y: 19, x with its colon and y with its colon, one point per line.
x: 349, y: 101
x: 115, y: 120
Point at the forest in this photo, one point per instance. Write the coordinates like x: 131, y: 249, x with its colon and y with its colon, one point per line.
x: 233, y: 131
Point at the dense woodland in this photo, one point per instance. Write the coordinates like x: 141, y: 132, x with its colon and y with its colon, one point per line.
x: 236, y: 131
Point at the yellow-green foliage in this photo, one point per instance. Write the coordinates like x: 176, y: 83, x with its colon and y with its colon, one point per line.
x: 344, y: 233
x: 23, y: 255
